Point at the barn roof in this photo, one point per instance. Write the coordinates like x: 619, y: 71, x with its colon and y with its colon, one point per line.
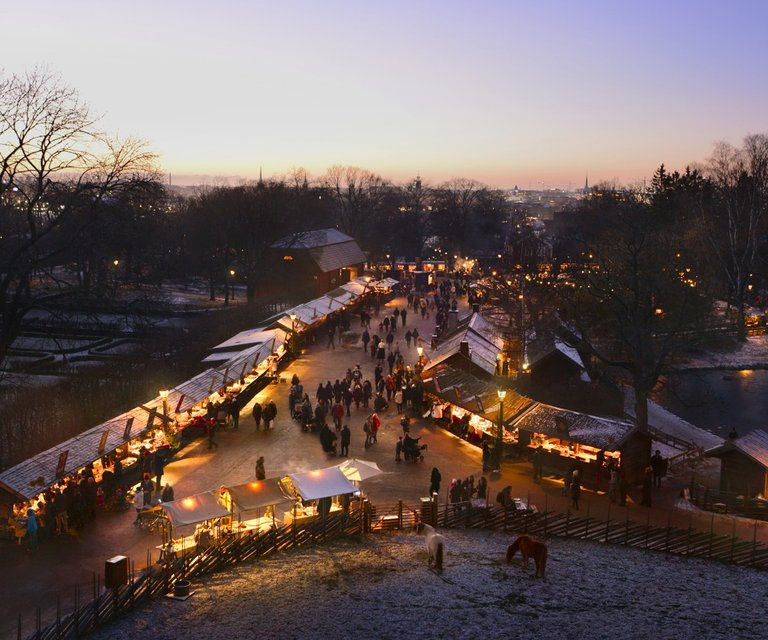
x: 312, y: 239
x: 484, y: 344
x: 478, y: 396
x: 754, y: 445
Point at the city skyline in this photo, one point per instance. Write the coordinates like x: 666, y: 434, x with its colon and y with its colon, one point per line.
x: 503, y: 92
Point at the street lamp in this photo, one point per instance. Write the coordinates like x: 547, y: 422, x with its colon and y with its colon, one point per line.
x: 502, y: 393
x: 420, y: 351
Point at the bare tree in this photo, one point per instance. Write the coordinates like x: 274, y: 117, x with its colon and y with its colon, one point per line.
x: 56, y: 168
x: 358, y: 193
x: 736, y: 224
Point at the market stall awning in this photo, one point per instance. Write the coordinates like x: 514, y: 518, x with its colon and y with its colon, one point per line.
x: 257, y: 494
x: 356, y: 287
x: 594, y: 431
x: 194, y: 509
x: 36, y: 474
x: 461, y: 388
x: 321, y: 483
x: 357, y: 470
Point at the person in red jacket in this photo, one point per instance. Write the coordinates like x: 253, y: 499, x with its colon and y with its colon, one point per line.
x: 337, y: 412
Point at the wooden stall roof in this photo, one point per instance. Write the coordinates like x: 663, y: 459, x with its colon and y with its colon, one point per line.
x: 29, y: 478
x: 484, y: 344
x: 461, y: 388
x: 187, y: 394
x: 599, y: 432
x: 754, y: 445
x: 248, y: 338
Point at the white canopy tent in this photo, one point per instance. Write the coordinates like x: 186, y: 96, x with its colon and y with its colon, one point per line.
x: 321, y: 483
x: 194, y: 509
x: 357, y: 470
x: 257, y: 494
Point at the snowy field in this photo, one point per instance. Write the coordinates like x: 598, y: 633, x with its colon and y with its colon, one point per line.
x: 381, y: 587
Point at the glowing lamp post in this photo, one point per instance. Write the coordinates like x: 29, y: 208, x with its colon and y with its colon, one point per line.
x: 502, y: 393
x: 420, y: 351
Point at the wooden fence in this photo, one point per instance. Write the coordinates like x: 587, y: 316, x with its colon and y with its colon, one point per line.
x: 680, y: 541
x: 159, y: 579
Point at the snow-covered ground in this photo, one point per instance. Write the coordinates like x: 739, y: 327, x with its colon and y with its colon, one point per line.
x: 751, y: 354
x: 381, y: 587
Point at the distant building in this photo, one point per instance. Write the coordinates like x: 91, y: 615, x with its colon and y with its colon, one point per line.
x: 743, y: 464
x: 314, y: 262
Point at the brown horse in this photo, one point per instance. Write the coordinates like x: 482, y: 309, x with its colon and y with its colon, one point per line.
x: 530, y: 548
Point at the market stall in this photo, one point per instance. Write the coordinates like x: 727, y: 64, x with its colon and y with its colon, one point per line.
x: 315, y: 492
x: 259, y: 504
x: 591, y: 444
x: 205, y: 511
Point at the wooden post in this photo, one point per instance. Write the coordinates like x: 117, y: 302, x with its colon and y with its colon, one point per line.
x: 754, y: 542
x: 77, y: 612
x: 711, y: 534
x: 647, y: 527
x: 400, y: 515
x: 546, y: 512
x: 607, y: 522
x: 669, y: 528
x: 626, y: 527
x: 586, y: 529
x: 733, y: 538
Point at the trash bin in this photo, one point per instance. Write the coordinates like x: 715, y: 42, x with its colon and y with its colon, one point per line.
x: 116, y: 572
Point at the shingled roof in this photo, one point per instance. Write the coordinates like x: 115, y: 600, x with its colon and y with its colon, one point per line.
x: 754, y: 445
x: 329, y: 248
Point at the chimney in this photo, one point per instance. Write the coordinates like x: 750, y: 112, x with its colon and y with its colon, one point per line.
x: 464, y: 348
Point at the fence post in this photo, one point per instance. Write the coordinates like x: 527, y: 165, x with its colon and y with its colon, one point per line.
x: 647, y: 527
x: 95, y: 602
x: 669, y: 528
x: 77, y: 611
x: 586, y: 530
x: 18, y: 633
x: 733, y: 538
x: 711, y: 534
x: 399, y: 514
x: 626, y: 527
x: 754, y: 542
x: 607, y: 523
x: 38, y: 621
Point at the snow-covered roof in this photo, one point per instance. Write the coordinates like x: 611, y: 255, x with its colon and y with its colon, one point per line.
x: 244, y: 339
x: 548, y: 345
x: 600, y: 432
x: 477, y: 396
x: 312, y: 239
x: 484, y: 344
x: 37, y: 473
x: 754, y: 445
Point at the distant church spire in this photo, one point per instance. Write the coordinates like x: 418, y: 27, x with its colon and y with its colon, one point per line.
x: 260, y: 178
x: 586, y: 184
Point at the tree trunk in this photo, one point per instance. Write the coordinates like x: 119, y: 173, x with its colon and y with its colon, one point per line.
x: 641, y: 409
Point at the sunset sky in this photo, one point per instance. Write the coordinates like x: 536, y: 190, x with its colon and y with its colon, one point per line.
x: 536, y: 93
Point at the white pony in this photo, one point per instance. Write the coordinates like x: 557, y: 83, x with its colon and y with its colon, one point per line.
x: 435, y: 544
